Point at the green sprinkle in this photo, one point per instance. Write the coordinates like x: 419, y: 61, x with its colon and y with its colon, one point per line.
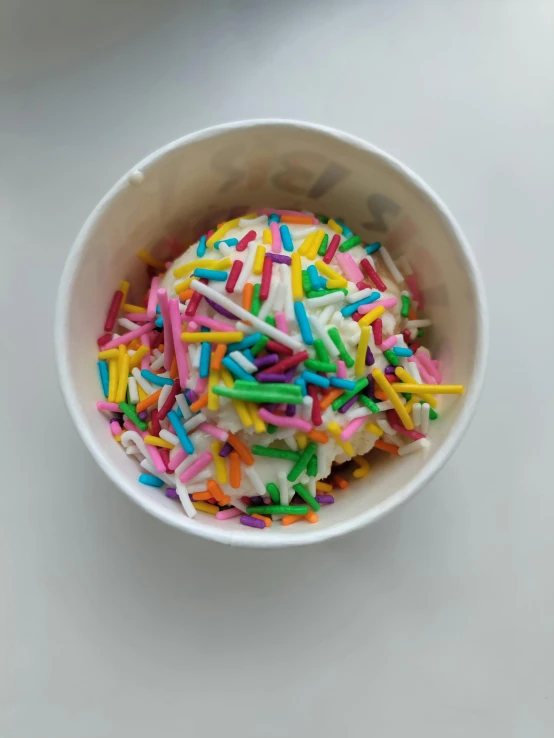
x: 320, y: 350
x: 405, y: 309
x: 260, y: 393
x: 270, y: 320
x: 433, y: 414
x: 343, y: 399
x: 350, y: 243
x: 322, y: 293
x: 337, y: 340
x: 276, y: 453
x: 271, y: 428
x: 285, y: 390
x: 306, y: 281
x: 259, y: 346
x: 324, y: 244
x: 306, y: 496
x: 302, y: 462
x: 312, y: 466
x: 256, y: 302
x: 420, y: 332
x: 278, y: 510
x: 273, y: 492
x: 131, y: 413
x: 368, y: 403
x: 320, y: 366
x: 391, y: 357
x: 322, y: 218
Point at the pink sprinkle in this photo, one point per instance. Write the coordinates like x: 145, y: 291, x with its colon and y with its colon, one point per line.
x: 349, y: 430
x: 217, y: 325
x: 111, y: 407
x: 137, y: 317
x: 168, y: 337
x: 425, y: 376
x: 387, y: 303
x: 181, y: 355
x: 155, y: 456
x: 145, y: 361
x: 349, y: 267
x: 414, y: 289
x: 115, y: 428
x: 428, y: 365
x: 179, y: 457
x: 209, y: 234
x: 341, y: 369
x: 276, y: 243
x: 153, y: 298
x: 213, y: 430
x: 232, y: 512
x: 388, y: 343
x: 201, y: 385
x: 281, y: 322
x: 128, y: 425
x: 284, y: 421
x: 266, y: 277
x: 196, y: 467
x: 128, y: 337
x: 245, y: 240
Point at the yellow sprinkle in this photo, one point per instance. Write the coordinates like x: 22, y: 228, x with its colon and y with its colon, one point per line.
x: 213, y: 399
x: 112, y: 386
x: 408, y: 407
x: 296, y: 277
x: 109, y: 354
x: 183, y: 286
x: 386, y: 386
x: 222, y: 230
x: 214, y: 337
x: 132, y: 308
x: 155, y: 441
x: 346, y: 446
x: 371, y: 316
x: 374, y: 428
x: 327, y: 271
x: 242, y: 411
x: 266, y: 236
x: 334, y: 226
x: 301, y: 440
x: 227, y: 377
x: 259, y: 425
x: 434, y: 389
x: 359, y: 366
x: 323, y: 487
x: 258, y: 265
x: 306, y: 245
x: 201, y: 264
x: 138, y: 356
x: 118, y: 438
x: 363, y: 467
x: 219, y: 461
x: 149, y: 259
x: 142, y: 393
x: 316, y: 243
x: 205, y: 507
x: 250, y: 216
x: 123, y: 377
x: 402, y: 374
x: 124, y: 287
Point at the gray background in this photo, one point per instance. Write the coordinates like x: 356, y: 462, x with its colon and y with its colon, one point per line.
x: 438, y: 620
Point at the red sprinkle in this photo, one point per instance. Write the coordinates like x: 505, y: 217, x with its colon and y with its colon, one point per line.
x: 158, y: 338
x: 266, y: 278
x: 170, y: 401
x: 406, y: 333
x: 245, y: 240
x: 372, y: 274
x: 278, y: 348
x: 316, y: 410
x: 192, y: 307
x: 285, y: 364
x: 377, y: 326
x: 234, y: 274
x: 333, y: 246
x: 156, y: 425
x: 113, y: 311
x: 356, y: 316
x: 164, y: 453
x: 106, y: 338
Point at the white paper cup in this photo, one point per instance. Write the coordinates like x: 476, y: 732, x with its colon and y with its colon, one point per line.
x: 219, y: 173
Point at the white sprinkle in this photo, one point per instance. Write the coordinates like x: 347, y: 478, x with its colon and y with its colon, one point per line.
x: 355, y: 296
x: 319, y: 328
x: 141, y: 381
x: 337, y: 318
x: 129, y: 437
x: 288, y: 304
x: 320, y: 458
x: 164, y: 394
x: 126, y: 323
x: 418, y: 324
x: 243, y: 362
x: 132, y: 450
x: 413, y: 369
x: 395, y: 274
x: 425, y: 408
x: 225, y: 250
x: 255, y: 480
x: 133, y: 391
x: 135, y: 177
x: 182, y: 307
x: 283, y: 488
x: 421, y: 445
x: 324, y: 300
x: 247, y: 267
x: 192, y: 423
x: 326, y: 313
x: 183, y: 404
x: 357, y: 412
x: 244, y: 327
x: 291, y: 443
x: 274, y: 302
x: 307, y: 404
x: 157, y: 363
x: 385, y: 425
x: 183, y: 493
x: 195, y: 359
x: 301, y: 232
x: 238, y: 503
x: 170, y: 437
x: 416, y: 415
x: 387, y: 404
x: 247, y: 222
x: 169, y: 479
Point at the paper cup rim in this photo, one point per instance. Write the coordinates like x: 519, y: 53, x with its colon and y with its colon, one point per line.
x: 312, y: 533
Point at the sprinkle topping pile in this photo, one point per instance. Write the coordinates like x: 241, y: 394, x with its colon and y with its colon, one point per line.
x: 275, y: 349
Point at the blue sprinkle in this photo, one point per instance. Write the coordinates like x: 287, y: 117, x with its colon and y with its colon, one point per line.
x: 373, y: 247
x: 245, y: 343
x: 212, y: 274
x: 302, y: 319
x: 313, y: 378
x: 104, y: 376
x: 158, y: 310
x: 155, y: 378
x: 315, y: 278
x: 180, y: 432
x: 159, y: 322
x: 228, y: 241
x: 151, y: 480
x: 179, y: 412
x: 274, y: 218
x: 205, y: 355
x: 201, y: 250
x: 249, y: 355
x: 286, y: 238
x: 401, y: 351
x: 351, y: 309
x: 302, y: 384
x: 346, y: 384
x: 237, y: 370
x: 346, y: 232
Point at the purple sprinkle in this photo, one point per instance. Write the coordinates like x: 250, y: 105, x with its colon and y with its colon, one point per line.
x: 280, y: 258
x: 369, y: 360
x: 325, y: 499
x: 272, y: 377
x: 290, y: 411
x: 271, y: 406
x: 220, y: 310
x: 257, y: 500
x: 252, y: 522
x: 262, y: 361
x: 143, y: 415
x: 348, y: 405
x: 389, y: 369
x: 191, y: 396
x: 226, y: 450
x: 172, y: 493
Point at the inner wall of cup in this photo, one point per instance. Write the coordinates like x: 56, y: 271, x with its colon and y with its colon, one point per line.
x: 189, y: 188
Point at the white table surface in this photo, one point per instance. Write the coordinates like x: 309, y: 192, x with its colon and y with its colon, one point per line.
x: 436, y: 622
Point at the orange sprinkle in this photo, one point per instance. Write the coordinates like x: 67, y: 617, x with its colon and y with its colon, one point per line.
x: 201, y: 496
x: 380, y: 395
x: 266, y: 520
x: 384, y: 446
x: 247, y: 296
x: 134, y: 345
x: 217, y: 492
x: 186, y: 295
x: 318, y: 436
x: 173, y: 373
x: 340, y: 482
x: 412, y: 315
x: 330, y: 397
x: 148, y: 401
x: 200, y: 403
x: 301, y: 219
x: 234, y: 470
x: 289, y: 519
x: 217, y: 356
x: 242, y: 450
x: 311, y: 517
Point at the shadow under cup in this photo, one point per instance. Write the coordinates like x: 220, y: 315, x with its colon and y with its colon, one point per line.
x: 222, y: 173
